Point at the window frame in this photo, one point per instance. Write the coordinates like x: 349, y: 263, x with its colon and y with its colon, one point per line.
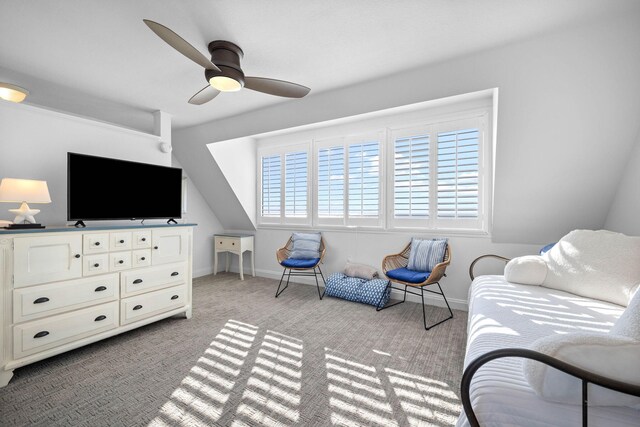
x: 345, y: 142
x: 282, y: 151
x: 476, y: 118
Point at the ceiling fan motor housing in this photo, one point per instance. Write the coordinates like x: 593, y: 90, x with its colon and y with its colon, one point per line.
x: 226, y: 56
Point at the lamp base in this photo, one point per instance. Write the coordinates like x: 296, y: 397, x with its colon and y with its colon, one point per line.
x: 24, y: 214
x: 23, y: 226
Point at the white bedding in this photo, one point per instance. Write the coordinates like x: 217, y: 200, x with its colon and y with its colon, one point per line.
x: 501, y: 315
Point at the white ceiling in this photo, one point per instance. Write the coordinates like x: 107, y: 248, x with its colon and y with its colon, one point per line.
x: 103, y: 49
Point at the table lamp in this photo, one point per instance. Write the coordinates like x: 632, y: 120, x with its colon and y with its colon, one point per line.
x: 24, y: 191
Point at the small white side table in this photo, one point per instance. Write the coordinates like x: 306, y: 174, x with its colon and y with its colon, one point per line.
x: 235, y: 244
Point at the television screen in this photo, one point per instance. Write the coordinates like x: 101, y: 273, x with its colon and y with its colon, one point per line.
x: 99, y: 188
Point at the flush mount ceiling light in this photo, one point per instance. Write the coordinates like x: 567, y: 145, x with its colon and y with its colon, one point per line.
x: 223, y: 71
x: 12, y: 93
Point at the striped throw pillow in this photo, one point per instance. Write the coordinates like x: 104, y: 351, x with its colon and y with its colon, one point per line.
x: 425, y: 254
x: 305, y: 245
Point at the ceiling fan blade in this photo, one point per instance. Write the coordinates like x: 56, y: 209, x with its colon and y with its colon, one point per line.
x: 180, y: 44
x: 206, y: 94
x: 276, y: 87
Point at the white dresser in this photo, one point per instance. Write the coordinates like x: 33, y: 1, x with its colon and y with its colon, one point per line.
x: 63, y: 288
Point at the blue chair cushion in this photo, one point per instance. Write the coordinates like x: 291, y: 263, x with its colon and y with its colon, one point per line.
x: 300, y: 263
x: 426, y: 253
x: 546, y: 249
x: 406, y: 275
x: 372, y: 292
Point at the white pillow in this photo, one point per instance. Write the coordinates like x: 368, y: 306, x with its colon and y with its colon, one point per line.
x: 527, y: 270
x: 595, y: 264
x: 628, y: 325
x: 361, y: 271
x: 612, y: 356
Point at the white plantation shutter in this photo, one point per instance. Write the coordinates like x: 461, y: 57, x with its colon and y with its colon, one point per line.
x: 411, y: 177
x: 364, y: 180
x: 458, y: 174
x: 295, y: 186
x: 331, y: 182
x: 271, y: 186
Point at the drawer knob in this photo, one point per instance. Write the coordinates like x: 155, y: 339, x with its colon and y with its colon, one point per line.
x: 77, y: 255
x: 121, y: 261
x: 144, y: 239
x: 137, y: 307
x: 233, y: 243
x: 135, y: 282
x: 99, y: 318
x: 175, y: 273
x: 41, y: 334
x: 121, y: 241
x: 96, y: 265
x: 41, y: 300
x: 97, y: 243
x: 101, y: 288
x: 143, y: 258
x: 155, y: 247
x: 174, y: 297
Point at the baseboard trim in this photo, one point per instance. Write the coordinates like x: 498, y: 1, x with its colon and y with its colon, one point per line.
x: 202, y: 272
x: 455, y: 303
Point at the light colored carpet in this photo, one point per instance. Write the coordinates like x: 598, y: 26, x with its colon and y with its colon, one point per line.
x: 249, y: 359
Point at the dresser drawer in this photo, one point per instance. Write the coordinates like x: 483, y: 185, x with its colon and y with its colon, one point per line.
x: 45, y: 300
x: 141, y: 239
x: 227, y: 244
x: 95, y: 264
x: 39, y: 335
x: 120, y: 241
x: 119, y: 261
x: 95, y: 243
x: 143, y: 280
x: 141, y: 258
x: 152, y: 303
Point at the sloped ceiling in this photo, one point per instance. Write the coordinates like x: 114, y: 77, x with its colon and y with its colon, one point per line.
x: 567, y: 120
x: 103, y: 50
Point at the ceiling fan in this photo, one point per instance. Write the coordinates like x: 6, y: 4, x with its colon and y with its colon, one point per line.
x: 223, y: 71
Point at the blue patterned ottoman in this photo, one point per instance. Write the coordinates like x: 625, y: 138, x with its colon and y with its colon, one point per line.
x: 359, y: 290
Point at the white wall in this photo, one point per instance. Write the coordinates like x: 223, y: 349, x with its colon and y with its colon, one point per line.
x: 199, y: 212
x: 34, y: 142
x: 371, y: 247
x: 237, y: 161
x: 567, y: 121
x: 624, y: 215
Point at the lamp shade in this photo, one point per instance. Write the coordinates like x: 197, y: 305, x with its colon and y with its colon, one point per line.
x: 24, y: 190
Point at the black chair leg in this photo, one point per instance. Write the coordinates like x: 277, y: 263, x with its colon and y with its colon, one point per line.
x: 424, y: 314
x: 317, y: 284
x: 323, y: 281
x: 278, y: 292
x: 378, y: 308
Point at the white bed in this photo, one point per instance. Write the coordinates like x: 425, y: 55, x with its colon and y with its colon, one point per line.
x: 502, y: 315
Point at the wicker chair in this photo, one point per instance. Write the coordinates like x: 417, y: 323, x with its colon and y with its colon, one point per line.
x: 401, y: 260
x: 298, y: 267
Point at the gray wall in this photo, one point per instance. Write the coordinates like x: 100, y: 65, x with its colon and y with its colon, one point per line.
x: 624, y: 215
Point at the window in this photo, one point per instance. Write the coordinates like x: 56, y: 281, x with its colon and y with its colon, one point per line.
x: 349, y: 181
x: 295, y: 185
x: 331, y: 182
x: 433, y: 174
x: 271, y: 186
x: 284, y: 186
x: 437, y: 176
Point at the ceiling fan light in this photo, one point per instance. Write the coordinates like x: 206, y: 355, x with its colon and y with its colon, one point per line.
x: 12, y: 93
x: 225, y: 84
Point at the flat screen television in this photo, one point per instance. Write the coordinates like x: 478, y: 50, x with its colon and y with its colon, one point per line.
x: 99, y: 188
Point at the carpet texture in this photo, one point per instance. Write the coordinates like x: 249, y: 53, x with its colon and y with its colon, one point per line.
x: 249, y: 359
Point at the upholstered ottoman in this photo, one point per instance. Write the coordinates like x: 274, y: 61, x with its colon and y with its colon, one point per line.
x: 373, y: 292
